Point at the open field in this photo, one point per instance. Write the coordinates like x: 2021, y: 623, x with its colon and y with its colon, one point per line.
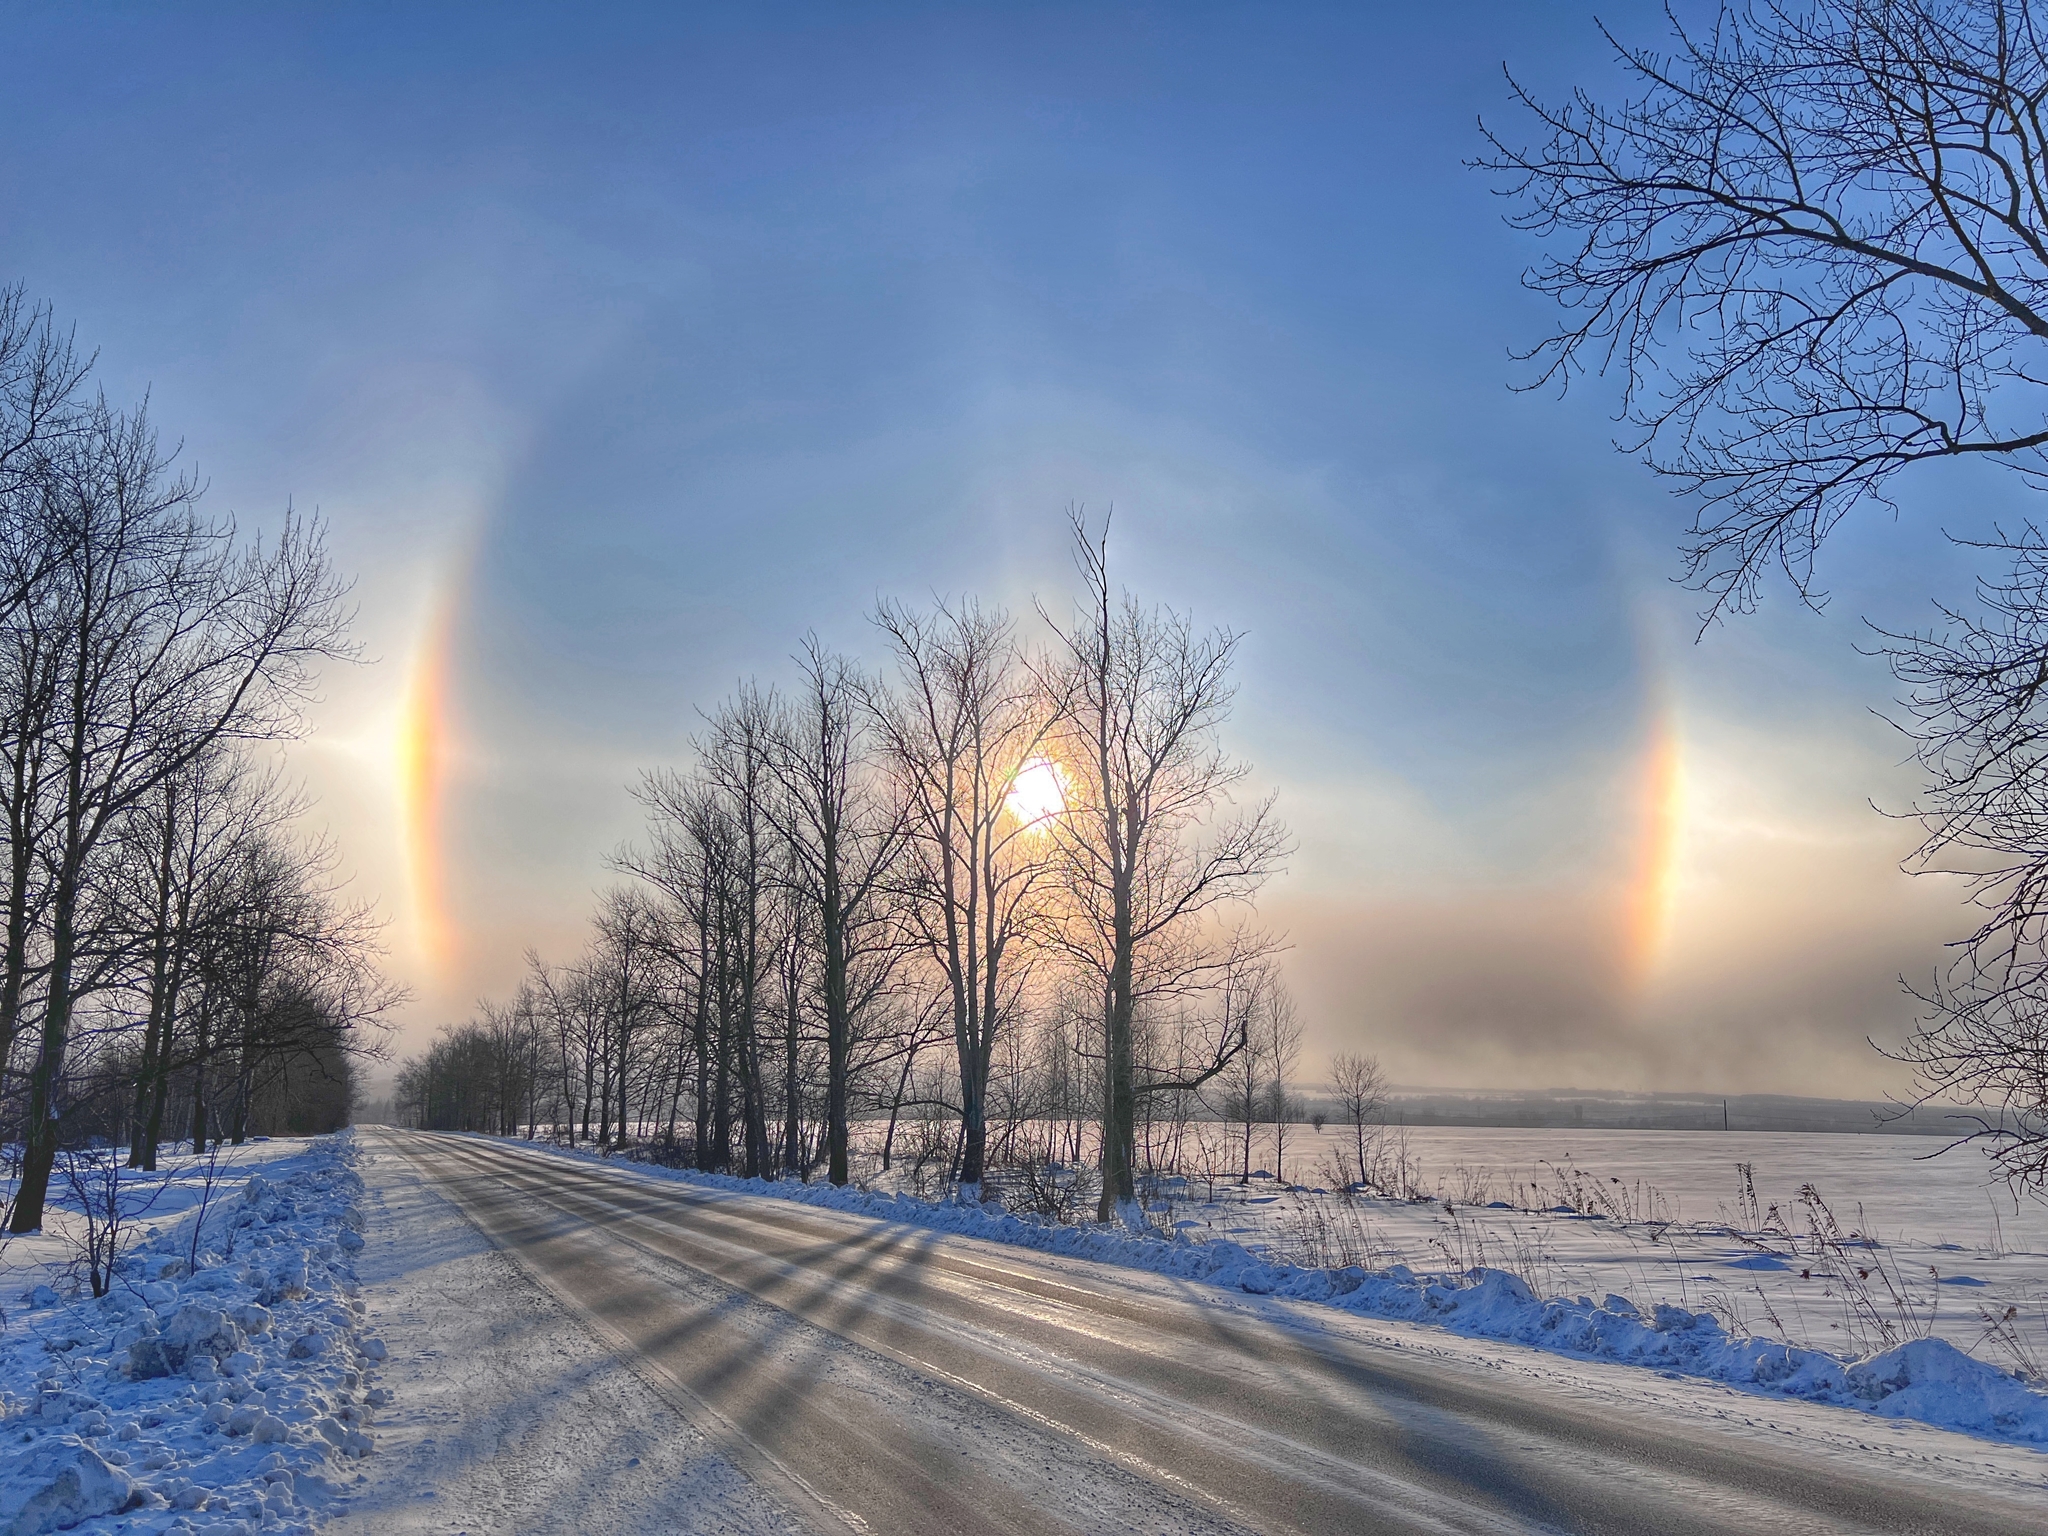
x: 1850, y: 1243
x: 1922, y: 1242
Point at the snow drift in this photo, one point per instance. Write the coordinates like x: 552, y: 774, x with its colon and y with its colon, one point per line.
x: 220, y: 1400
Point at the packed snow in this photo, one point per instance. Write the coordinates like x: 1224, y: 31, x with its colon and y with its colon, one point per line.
x: 1872, y: 1292
x: 223, y: 1384
x: 509, y: 1414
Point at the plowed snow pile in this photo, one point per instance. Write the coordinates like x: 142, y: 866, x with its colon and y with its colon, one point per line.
x: 226, y: 1397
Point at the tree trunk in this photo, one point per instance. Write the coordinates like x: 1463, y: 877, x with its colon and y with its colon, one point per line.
x: 700, y: 1048
x: 1119, y: 1057
x: 39, y: 1155
x: 792, y: 1093
x: 721, y: 1103
x: 14, y: 965
x: 202, y: 1049
x: 974, y: 1120
x: 155, y: 1035
x: 838, y: 1026
x: 625, y: 1080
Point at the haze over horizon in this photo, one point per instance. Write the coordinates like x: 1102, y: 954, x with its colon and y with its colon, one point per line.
x: 619, y: 350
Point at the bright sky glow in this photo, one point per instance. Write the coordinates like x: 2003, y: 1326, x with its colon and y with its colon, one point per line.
x: 1038, y: 793
x: 695, y: 329
x: 420, y: 752
x: 1653, y: 898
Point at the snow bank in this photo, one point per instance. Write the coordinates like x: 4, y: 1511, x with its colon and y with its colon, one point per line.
x: 219, y: 1401
x: 1927, y: 1380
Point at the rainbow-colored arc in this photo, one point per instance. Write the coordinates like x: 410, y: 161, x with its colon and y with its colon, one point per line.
x: 1653, y: 887
x: 420, y: 750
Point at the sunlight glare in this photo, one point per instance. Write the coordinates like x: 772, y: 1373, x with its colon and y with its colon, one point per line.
x: 1038, y: 793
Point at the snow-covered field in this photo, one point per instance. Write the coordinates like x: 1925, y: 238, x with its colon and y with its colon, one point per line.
x: 1926, y: 1243
x: 1905, y: 1286
x: 223, y: 1383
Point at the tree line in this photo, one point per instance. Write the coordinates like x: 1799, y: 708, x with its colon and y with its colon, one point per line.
x: 980, y: 893
x: 176, y: 960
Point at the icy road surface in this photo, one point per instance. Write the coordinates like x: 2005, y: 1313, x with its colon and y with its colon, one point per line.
x: 866, y: 1376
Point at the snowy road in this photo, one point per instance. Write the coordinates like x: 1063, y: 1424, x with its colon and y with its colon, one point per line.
x: 881, y: 1378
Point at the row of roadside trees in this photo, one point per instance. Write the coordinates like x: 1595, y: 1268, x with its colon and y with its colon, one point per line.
x: 175, y: 959
x: 980, y: 891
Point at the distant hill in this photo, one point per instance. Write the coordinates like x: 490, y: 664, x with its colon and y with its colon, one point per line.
x: 1572, y: 1108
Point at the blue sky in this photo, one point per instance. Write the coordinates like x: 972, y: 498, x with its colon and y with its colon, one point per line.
x: 645, y: 339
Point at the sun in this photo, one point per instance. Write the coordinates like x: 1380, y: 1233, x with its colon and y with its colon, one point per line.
x: 1038, y: 793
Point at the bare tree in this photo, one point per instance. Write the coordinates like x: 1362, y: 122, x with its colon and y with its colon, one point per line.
x: 288, y: 970
x: 168, y: 639
x: 1277, y: 1024
x: 479, y: 1076
x: 1361, y: 1092
x: 107, y: 1220
x: 1150, y: 859
x: 844, y: 828
x: 1814, y: 243
x: 1976, y: 707
x: 683, y: 866
x: 561, y: 1004
x: 42, y: 379
x: 723, y: 873
x: 623, y: 971
x: 963, y: 721
x: 1241, y: 1080
x: 1026, y: 855
x: 41, y: 416
x: 28, y: 696
x: 183, y: 850
x: 735, y: 758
